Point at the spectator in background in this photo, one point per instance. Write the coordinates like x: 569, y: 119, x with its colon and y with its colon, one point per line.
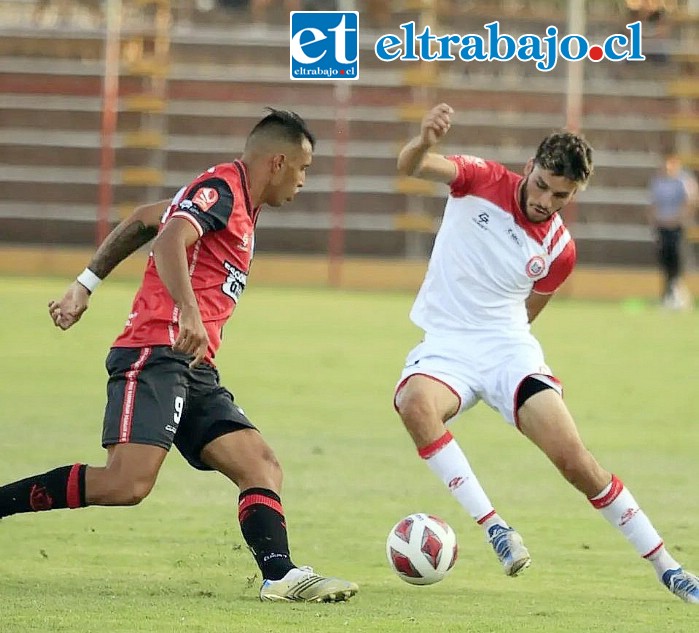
x: 673, y: 195
x: 68, y: 13
x: 656, y: 29
x: 378, y: 12
x: 260, y: 9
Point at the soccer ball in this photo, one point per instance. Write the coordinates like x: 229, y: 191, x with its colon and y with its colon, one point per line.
x: 421, y: 549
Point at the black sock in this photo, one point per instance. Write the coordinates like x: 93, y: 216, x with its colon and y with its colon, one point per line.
x: 62, y: 487
x: 262, y: 522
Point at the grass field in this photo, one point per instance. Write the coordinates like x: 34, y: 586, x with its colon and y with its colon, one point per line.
x: 315, y: 371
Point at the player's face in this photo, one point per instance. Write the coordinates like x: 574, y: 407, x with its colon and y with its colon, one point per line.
x: 289, y: 173
x: 543, y: 194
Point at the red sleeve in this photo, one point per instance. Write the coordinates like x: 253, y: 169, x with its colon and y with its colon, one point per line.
x: 471, y: 172
x: 559, y: 271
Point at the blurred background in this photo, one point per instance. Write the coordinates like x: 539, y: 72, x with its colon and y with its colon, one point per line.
x: 106, y: 105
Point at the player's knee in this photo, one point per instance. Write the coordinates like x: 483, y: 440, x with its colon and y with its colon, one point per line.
x: 127, y: 492
x: 137, y: 492
x: 263, y: 470
x: 266, y: 468
x: 414, y: 407
x: 271, y: 463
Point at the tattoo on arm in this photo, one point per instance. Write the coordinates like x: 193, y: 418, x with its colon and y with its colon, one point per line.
x: 120, y: 243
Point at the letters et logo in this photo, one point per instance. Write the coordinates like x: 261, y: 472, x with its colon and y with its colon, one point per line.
x: 324, y: 45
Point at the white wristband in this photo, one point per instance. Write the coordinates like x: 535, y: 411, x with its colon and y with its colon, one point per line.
x: 88, y: 279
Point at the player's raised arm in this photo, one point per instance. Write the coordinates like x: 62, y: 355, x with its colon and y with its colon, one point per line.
x: 416, y: 159
x: 126, y: 238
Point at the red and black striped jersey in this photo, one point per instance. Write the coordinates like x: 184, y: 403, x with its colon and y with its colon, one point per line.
x: 217, y: 203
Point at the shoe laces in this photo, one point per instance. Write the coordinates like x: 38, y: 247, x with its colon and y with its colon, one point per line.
x: 683, y: 583
x: 306, y: 568
x: 499, y: 539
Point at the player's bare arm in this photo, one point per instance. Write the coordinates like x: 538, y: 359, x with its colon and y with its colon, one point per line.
x: 170, y: 254
x: 535, y: 303
x: 126, y: 238
x: 416, y: 159
x: 132, y: 233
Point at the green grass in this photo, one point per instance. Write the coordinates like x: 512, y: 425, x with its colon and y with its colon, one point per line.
x: 315, y: 371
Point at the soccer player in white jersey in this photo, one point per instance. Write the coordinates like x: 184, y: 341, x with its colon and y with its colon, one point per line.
x: 500, y: 254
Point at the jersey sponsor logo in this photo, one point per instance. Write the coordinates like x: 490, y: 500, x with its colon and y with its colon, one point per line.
x: 473, y: 160
x: 514, y: 237
x: 244, y: 242
x: 536, y: 266
x: 235, y: 281
x: 482, y: 220
x: 205, y: 198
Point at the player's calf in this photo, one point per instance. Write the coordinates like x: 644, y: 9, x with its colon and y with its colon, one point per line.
x: 62, y: 487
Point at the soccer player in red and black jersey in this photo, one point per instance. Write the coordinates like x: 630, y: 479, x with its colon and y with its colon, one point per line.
x: 163, y: 386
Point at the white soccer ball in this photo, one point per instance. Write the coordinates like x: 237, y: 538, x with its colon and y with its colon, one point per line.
x: 421, y: 549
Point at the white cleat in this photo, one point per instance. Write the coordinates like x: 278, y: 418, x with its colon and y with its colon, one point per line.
x: 509, y: 548
x: 302, y: 584
x: 683, y: 584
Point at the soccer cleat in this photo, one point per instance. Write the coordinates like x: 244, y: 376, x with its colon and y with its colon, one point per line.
x: 683, y: 584
x: 302, y: 584
x: 509, y: 548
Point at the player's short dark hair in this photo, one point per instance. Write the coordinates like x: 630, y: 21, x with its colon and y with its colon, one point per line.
x: 566, y: 154
x: 282, y: 125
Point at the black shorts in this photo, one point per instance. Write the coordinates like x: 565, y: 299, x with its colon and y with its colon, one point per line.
x: 153, y: 397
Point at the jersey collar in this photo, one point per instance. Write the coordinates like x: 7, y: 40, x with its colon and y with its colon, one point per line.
x: 245, y: 181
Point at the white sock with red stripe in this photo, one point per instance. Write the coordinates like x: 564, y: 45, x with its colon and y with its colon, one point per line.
x: 446, y: 460
x: 618, y: 506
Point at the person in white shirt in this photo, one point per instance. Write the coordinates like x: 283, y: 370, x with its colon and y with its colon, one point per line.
x: 501, y: 252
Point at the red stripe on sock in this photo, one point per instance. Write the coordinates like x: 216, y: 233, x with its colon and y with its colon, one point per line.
x: 432, y: 449
x: 614, y: 492
x: 655, y: 550
x: 73, y: 487
x: 252, y: 500
x: 482, y: 520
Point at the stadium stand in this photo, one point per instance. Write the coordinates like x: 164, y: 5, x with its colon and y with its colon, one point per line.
x: 192, y: 83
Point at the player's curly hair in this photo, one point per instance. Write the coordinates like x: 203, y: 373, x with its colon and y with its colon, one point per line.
x: 283, y: 125
x: 566, y: 154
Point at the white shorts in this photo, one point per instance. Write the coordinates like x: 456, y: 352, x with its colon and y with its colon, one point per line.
x: 484, y: 366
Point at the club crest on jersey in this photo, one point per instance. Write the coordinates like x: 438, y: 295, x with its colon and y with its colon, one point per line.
x: 536, y: 266
x: 205, y: 198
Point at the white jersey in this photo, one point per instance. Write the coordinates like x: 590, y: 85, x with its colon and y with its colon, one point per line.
x: 488, y: 257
